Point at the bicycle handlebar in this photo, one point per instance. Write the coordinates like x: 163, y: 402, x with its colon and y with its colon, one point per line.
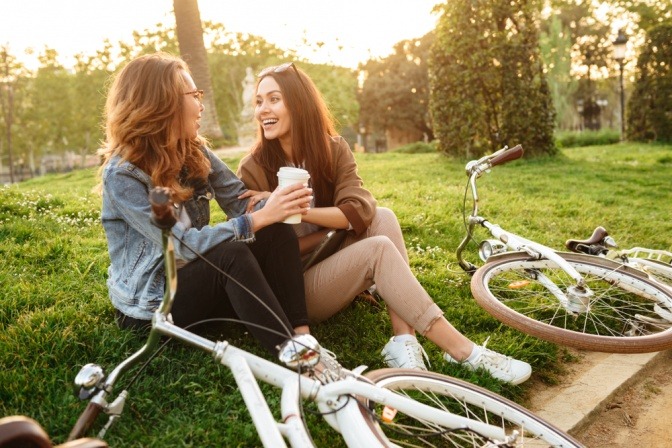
x: 85, y: 421
x: 163, y: 215
x: 500, y: 157
x: 507, y: 155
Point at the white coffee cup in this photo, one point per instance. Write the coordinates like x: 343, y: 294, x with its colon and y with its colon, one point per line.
x: 287, y: 176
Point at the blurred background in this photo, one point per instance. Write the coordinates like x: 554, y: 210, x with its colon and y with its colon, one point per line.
x: 461, y: 78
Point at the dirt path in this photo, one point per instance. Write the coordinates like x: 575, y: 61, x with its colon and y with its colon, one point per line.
x: 638, y: 415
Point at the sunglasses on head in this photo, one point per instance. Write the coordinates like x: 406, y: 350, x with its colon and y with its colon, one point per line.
x: 281, y: 68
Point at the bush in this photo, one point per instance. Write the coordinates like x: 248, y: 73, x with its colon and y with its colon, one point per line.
x: 418, y: 148
x: 650, y: 117
x: 573, y: 139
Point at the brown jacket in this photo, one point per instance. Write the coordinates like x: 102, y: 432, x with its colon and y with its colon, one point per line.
x: 357, y: 203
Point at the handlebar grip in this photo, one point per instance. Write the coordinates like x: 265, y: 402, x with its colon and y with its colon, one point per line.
x: 163, y: 215
x: 510, y: 154
x: 85, y: 421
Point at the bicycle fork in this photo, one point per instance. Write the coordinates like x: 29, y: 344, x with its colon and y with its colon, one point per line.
x: 576, y: 297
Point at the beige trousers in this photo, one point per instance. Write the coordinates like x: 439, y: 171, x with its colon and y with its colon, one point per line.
x: 378, y: 256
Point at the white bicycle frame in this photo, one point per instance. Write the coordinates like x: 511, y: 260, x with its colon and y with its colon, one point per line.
x: 645, y: 259
x: 336, y: 399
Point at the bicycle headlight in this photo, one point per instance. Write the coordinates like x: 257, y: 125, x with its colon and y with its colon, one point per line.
x: 488, y: 248
x: 87, y: 380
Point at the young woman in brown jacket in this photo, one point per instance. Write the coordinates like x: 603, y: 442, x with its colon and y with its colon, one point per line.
x: 296, y: 129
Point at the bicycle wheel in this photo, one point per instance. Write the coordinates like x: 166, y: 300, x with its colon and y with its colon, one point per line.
x: 462, y: 399
x: 624, y: 313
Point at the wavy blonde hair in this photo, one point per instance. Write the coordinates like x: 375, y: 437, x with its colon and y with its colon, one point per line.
x: 144, y: 123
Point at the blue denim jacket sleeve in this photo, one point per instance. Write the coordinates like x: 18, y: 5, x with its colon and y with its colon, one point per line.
x: 127, y: 187
x: 135, y: 275
x: 227, y: 187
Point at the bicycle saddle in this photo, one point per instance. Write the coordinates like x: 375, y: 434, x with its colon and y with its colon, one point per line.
x: 23, y: 432
x: 599, y: 234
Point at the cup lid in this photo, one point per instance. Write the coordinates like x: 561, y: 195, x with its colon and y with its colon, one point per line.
x: 290, y: 171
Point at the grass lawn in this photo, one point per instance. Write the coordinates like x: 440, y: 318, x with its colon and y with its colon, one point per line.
x: 55, y: 315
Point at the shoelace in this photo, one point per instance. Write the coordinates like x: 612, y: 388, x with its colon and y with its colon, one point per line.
x: 418, y: 355
x: 496, y: 359
x: 333, y: 370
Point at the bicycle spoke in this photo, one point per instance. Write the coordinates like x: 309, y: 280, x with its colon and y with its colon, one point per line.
x: 615, y: 303
x: 463, y: 399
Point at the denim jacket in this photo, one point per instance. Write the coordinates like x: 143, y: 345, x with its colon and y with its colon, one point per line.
x: 136, y: 277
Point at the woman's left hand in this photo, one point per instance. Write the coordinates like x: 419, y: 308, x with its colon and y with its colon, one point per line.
x: 255, y: 198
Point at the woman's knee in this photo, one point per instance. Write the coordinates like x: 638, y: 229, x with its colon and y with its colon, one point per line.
x: 377, y: 246
x: 385, y: 214
x: 227, y: 252
x: 278, y: 231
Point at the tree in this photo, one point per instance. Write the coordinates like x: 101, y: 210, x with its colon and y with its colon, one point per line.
x: 10, y: 72
x: 88, y: 100
x: 192, y: 50
x: 650, y: 106
x: 487, y: 83
x: 556, y: 45
x: 50, y: 108
x: 394, y: 97
x: 339, y: 89
x: 230, y: 54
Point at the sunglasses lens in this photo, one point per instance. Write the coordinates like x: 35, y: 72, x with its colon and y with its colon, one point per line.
x: 281, y: 68
x: 275, y: 69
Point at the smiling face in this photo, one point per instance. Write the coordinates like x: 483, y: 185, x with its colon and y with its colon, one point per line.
x: 272, y: 113
x: 191, y: 108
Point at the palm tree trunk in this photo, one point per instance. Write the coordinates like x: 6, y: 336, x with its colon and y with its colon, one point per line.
x: 192, y: 50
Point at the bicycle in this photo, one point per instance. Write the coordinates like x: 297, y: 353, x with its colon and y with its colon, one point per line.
x: 656, y: 263
x: 579, y: 300
x: 382, y: 408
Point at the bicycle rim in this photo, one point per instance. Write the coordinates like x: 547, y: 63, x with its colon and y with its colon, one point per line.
x: 619, y: 317
x: 460, y: 398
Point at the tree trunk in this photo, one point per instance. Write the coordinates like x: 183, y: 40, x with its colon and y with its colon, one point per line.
x: 192, y: 50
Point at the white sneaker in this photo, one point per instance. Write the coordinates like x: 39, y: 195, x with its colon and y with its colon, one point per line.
x: 502, y: 367
x: 405, y: 355
x: 329, y: 369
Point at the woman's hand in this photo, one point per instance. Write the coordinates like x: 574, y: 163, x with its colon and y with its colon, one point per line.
x: 255, y: 198
x: 282, y: 203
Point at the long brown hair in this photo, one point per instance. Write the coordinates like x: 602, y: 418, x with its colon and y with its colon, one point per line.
x: 144, y: 124
x: 312, y: 128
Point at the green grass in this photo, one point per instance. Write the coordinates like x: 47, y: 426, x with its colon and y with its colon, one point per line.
x: 55, y: 315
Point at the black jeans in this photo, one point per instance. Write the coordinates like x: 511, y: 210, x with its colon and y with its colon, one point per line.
x: 270, y: 268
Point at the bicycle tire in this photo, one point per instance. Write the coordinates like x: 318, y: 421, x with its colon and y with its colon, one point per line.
x: 460, y: 398
x: 617, y: 318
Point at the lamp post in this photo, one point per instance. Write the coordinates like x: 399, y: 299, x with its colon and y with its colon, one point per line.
x: 619, y: 55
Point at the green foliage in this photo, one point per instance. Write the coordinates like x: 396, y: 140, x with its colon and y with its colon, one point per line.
x: 488, y: 88
x: 571, y: 139
x: 58, y: 109
x: 339, y: 88
x: 650, y: 105
x: 418, y: 148
x: 555, y: 47
x: 395, y: 93
x: 648, y: 13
